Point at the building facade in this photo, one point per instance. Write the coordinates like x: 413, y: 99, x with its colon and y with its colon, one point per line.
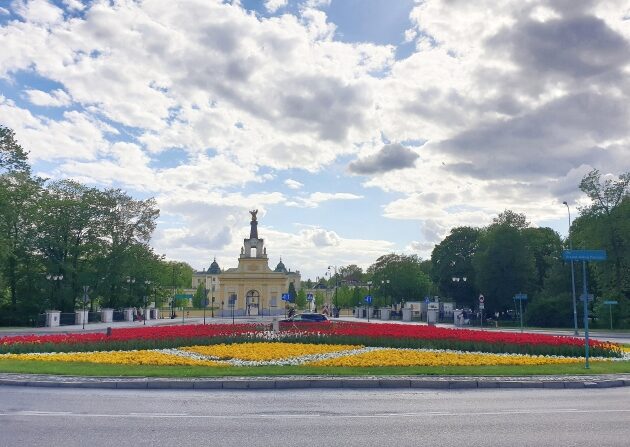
x: 252, y: 288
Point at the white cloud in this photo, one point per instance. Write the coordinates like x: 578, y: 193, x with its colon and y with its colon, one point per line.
x: 293, y: 184
x: 55, y: 98
x: 273, y: 5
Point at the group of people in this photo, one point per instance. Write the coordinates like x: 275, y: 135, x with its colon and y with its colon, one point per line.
x: 332, y: 311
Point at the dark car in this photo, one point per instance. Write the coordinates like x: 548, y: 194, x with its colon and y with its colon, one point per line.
x: 306, y: 318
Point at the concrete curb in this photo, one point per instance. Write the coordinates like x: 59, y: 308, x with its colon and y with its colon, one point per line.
x: 283, y: 383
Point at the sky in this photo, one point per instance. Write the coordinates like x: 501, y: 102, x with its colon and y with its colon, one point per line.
x: 357, y: 128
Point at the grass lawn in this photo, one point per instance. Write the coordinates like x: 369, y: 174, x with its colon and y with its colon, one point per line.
x: 88, y: 369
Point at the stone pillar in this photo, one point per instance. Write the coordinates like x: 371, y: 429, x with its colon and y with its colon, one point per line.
x: 385, y: 313
x: 154, y: 313
x: 107, y: 315
x: 146, y: 313
x: 128, y: 312
x: 52, y: 318
x: 432, y: 316
x: 81, y: 316
x: 370, y: 311
x: 406, y: 314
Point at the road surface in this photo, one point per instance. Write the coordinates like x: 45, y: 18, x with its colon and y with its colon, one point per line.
x: 318, y: 418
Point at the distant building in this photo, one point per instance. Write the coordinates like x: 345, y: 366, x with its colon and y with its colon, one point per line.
x: 252, y: 287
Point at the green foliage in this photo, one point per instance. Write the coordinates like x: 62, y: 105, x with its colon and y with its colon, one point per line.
x: 13, y: 158
x: 300, y: 299
x: 292, y: 292
x: 503, y: 266
x: 407, y: 280
x: 199, y: 296
x: 551, y: 311
x: 452, y: 258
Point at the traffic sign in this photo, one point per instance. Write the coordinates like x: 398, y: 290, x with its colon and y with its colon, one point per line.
x: 520, y: 296
x: 426, y: 299
x: 286, y: 297
x: 481, y: 298
x: 611, y: 302
x: 584, y: 255
x: 86, y: 298
x: 309, y: 297
x: 368, y: 299
x: 590, y: 297
x: 481, y: 306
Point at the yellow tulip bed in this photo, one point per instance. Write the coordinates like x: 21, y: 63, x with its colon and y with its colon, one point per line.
x: 420, y: 357
x: 266, y: 351
x: 143, y: 357
x: 298, y: 354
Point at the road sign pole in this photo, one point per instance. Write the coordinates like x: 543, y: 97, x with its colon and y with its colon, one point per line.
x: 575, y: 317
x: 585, y: 314
x: 610, y: 310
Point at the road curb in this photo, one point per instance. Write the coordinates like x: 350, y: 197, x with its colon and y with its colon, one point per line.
x: 284, y: 383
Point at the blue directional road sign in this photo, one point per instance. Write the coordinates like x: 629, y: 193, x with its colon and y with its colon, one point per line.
x: 368, y: 299
x: 584, y: 255
x: 286, y: 297
x: 611, y: 302
x: 309, y: 297
x: 520, y: 296
x: 426, y: 299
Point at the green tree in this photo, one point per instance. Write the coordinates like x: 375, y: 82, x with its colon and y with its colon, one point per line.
x: 407, y: 281
x: 452, y: 258
x: 503, y: 266
x: 13, y: 158
x: 545, y: 246
x: 292, y: 292
x: 300, y: 299
x: 199, y: 296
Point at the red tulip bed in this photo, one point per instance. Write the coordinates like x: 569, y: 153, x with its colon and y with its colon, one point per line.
x: 384, y: 335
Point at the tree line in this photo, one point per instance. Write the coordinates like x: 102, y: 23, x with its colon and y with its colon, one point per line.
x: 508, y: 257
x: 56, y: 237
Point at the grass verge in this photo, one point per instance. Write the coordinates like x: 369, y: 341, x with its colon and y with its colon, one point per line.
x: 88, y: 369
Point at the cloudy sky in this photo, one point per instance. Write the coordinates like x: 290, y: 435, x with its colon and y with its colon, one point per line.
x: 355, y: 127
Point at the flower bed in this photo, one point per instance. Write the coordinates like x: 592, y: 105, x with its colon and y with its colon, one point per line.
x: 298, y: 354
x: 338, y: 333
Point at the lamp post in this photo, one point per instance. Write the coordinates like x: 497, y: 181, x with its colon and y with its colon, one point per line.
x: 130, y: 281
x: 147, y: 283
x: 335, y: 268
x: 212, y: 308
x: 54, y: 280
x: 575, y: 319
x: 383, y: 282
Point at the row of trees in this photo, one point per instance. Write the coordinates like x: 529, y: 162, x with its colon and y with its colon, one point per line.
x: 58, y: 236
x: 509, y: 257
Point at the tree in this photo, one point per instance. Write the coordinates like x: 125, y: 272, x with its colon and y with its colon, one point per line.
x: 407, y: 281
x: 605, y: 224
x: 452, y: 258
x: 351, y: 274
x: 199, y: 296
x: 292, y: 292
x: 503, y: 266
x: 300, y: 299
x: 12, y: 157
x: 511, y: 219
x: 545, y: 246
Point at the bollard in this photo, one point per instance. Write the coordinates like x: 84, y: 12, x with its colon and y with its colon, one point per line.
x: 109, y: 331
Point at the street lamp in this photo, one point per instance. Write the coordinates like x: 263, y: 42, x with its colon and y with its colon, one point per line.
x: 383, y: 282
x: 130, y: 281
x: 146, y: 284
x: 575, y: 324
x: 335, y: 268
x: 53, y: 281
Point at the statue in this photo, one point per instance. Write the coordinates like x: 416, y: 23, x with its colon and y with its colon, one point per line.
x: 253, y: 213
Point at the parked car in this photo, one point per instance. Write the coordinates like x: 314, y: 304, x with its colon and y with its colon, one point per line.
x: 306, y: 318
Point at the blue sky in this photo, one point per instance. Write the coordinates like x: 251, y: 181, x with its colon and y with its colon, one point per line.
x: 356, y: 127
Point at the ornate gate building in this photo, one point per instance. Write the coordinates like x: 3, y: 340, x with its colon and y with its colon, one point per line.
x: 252, y: 287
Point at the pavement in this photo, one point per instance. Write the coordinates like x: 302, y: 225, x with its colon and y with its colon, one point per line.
x: 301, y: 382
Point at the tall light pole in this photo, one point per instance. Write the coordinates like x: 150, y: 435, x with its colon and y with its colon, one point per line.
x: 335, y: 298
x: 147, y: 283
x: 383, y: 285
x: 575, y: 319
x: 369, y: 284
x: 54, y: 280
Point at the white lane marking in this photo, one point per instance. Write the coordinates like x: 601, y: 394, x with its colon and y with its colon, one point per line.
x: 307, y: 415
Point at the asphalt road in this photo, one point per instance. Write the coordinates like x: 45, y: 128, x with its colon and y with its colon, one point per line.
x: 71, y: 417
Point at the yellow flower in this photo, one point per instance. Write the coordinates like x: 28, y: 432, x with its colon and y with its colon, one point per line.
x: 265, y: 351
x: 402, y: 357
x: 144, y: 357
